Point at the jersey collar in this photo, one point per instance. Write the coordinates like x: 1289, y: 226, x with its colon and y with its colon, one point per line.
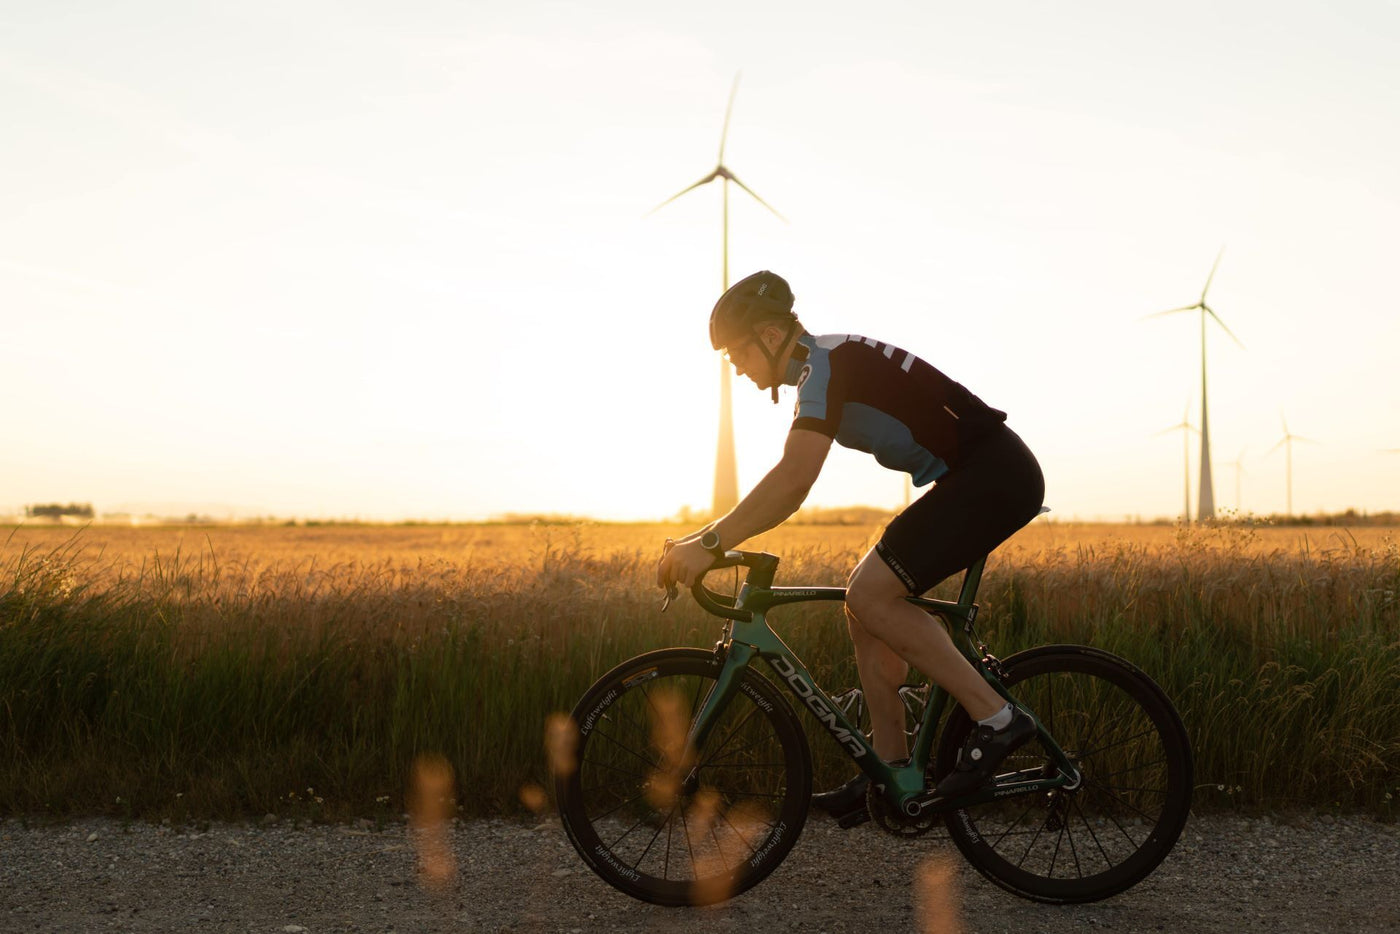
x: 800, y: 352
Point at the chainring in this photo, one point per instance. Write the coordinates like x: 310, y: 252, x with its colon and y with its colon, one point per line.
x: 892, y: 821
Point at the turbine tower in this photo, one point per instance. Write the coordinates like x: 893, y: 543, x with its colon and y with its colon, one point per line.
x: 726, y: 494
x: 1286, y: 442
x: 1206, y: 504
x: 1185, y: 427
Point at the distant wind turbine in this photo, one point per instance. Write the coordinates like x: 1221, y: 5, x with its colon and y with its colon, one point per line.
x: 726, y: 494
x: 1238, y: 464
x: 1206, y: 505
x: 1286, y: 442
x: 1185, y: 427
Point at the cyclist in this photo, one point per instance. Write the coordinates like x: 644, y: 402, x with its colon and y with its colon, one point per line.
x: 875, y: 397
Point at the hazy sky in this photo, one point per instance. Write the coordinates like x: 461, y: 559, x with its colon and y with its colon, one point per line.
x: 391, y: 260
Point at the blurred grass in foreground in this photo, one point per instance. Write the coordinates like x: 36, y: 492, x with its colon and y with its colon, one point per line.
x: 192, y: 686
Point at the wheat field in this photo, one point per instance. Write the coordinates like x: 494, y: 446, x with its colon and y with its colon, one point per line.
x: 223, y: 671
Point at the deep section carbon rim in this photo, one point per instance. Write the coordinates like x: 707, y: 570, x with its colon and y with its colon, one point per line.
x: 672, y: 831
x: 1127, y: 741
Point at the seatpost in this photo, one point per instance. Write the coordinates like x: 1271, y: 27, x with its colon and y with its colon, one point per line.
x: 971, y: 579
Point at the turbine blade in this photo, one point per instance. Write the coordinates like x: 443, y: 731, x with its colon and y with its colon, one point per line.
x: 1301, y: 438
x: 728, y: 109
x: 704, y: 181
x: 1172, y: 311
x: 1183, y: 426
x: 1211, y: 311
x: 753, y: 194
x: 1212, y: 272
x: 1281, y: 443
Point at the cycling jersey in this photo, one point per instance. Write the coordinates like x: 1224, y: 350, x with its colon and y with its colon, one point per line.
x: 875, y: 397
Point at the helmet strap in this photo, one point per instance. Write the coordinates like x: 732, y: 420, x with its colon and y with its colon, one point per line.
x: 775, y: 359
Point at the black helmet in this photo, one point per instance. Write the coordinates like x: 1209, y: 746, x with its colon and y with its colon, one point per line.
x: 753, y: 300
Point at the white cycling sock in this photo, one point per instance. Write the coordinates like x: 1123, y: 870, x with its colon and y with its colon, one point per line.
x: 999, y: 720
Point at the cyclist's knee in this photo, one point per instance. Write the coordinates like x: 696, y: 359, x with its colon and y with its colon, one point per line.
x: 869, y: 597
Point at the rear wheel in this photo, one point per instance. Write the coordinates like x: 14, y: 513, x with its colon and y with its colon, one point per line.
x: 676, y: 832
x: 1124, y: 736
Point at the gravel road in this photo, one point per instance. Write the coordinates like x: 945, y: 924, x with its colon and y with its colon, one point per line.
x: 1312, y: 873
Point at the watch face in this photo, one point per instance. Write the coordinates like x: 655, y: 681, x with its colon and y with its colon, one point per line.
x: 710, y: 541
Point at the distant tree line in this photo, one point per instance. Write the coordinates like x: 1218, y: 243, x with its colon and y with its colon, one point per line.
x: 58, y: 511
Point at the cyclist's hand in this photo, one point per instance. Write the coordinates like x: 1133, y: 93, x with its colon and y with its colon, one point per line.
x: 683, y: 564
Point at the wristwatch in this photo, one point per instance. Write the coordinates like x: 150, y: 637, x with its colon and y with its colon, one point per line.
x: 710, y: 542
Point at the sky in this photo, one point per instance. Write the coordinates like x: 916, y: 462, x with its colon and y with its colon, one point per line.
x: 389, y: 261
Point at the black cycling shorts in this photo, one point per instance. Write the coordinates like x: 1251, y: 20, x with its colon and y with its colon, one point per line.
x: 996, y: 489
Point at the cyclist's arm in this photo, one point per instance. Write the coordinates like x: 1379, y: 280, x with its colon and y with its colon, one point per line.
x: 780, y: 493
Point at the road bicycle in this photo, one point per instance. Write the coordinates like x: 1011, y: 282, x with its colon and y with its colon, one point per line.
x: 691, y: 775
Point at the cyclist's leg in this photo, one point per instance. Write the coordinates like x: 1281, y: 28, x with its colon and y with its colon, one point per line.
x: 881, y: 671
x: 996, y: 489
x: 876, y: 599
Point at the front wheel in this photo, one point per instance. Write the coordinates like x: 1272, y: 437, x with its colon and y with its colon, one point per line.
x: 1126, y: 739
x: 666, y: 827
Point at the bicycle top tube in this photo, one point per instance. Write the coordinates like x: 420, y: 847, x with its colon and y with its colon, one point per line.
x: 758, y: 592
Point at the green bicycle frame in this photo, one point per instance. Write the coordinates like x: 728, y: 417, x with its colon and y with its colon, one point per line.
x: 903, y: 786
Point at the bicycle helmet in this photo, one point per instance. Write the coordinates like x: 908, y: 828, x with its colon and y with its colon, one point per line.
x: 747, y: 306
x: 759, y: 298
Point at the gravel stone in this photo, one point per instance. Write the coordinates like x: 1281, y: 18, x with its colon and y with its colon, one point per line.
x: 1299, y: 874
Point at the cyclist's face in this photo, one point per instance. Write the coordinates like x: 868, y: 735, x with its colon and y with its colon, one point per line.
x: 749, y: 360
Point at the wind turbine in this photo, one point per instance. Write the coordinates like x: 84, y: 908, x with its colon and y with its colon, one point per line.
x: 726, y: 494
x: 1185, y: 427
x: 1206, y: 504
x: 1238, y: 464
x: 1286, y: 442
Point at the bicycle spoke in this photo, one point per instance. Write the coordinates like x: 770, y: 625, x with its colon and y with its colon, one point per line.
x: 1150, y: 731
x: 740, y: 834
x: 1059, y: 839
x: 595, y: 764
x: 733, y: 731
x: 626, y: 833
x: 652, y: 842
x: 685, y: 829
x: 719, y: 850
x: 638, y: 728
x: 1093, y: 836
x: 1134, y: 768
x: 1073, y: 850
x: 1139, y: 811
x: 1121, y: 829
x: 627, y: 749
x: 1005, y: 833
x: 1030, y: 846
x: 610, y: 812
x: 735, y: 752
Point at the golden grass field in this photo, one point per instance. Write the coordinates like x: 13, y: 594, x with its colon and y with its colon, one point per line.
x: 105, y: 550
x: 222, y: 670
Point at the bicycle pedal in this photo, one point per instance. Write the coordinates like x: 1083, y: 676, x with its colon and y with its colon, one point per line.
x: 854, y: 818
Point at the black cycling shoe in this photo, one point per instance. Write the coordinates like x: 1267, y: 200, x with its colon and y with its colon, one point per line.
x: 984, y: 750
x: 847, y: 803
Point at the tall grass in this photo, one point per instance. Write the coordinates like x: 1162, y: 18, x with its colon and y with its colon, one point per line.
x: 190, y: 686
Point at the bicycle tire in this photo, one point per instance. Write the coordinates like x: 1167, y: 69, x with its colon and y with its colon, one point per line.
x: 1128, y: 741
x: 693, y: 835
